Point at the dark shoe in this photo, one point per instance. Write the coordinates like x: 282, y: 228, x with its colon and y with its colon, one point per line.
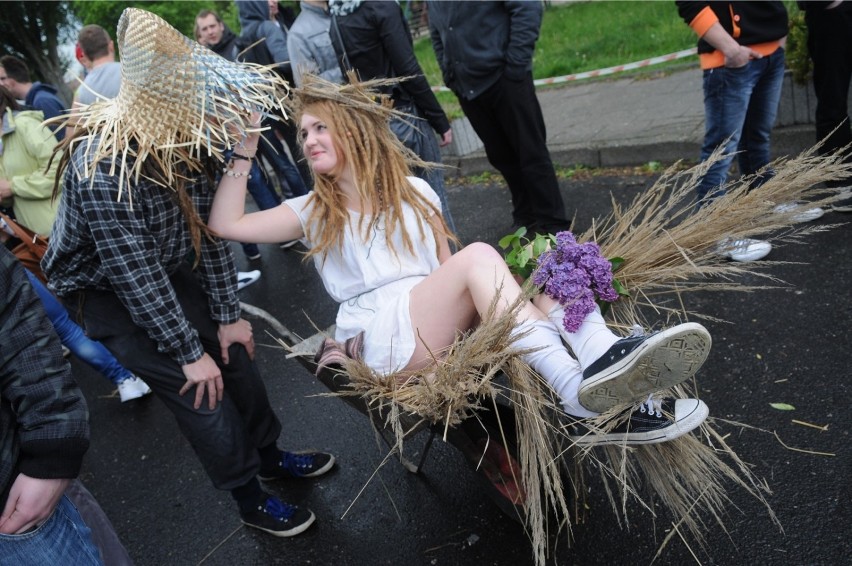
x: 654, y: 421
x: 279, y: 518
x: 288, y: 244
x: 640, y: 365
x: 299, y: 465
x: 252, y: 257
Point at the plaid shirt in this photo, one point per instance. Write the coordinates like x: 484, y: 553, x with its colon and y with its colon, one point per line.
x: 130, y: 245
x: 44, y: 423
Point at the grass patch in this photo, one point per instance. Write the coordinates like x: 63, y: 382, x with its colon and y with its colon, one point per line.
x: 585, y: 36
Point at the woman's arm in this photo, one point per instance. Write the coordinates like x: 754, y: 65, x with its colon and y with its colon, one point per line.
x: 228, y: 218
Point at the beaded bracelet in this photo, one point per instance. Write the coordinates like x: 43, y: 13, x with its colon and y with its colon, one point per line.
x: 231, y: 173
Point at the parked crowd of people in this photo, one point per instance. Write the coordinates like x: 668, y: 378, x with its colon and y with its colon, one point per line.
x: 145, y: 289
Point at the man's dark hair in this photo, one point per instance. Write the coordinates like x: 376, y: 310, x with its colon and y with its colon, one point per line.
x: 15, y: 68
x: 205, y: 13
x: 94, y: 41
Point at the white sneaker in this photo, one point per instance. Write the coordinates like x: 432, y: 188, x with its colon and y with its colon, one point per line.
x: 807, y: 215
x: 843, y: 205
x: 132, y: 388
x: 744, y: 249
x: 246, y: 278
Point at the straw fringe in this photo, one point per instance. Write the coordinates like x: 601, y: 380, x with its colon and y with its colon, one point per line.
x: 178, y: 104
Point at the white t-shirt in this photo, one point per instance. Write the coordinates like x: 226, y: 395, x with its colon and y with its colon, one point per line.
x: 372, y: 285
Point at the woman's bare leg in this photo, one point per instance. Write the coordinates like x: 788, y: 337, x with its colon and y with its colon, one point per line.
x: 452, y: 297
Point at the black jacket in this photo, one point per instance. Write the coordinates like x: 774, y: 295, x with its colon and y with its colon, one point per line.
x: 749, y: 23
x: 44, y: 422
x: 378, y: 44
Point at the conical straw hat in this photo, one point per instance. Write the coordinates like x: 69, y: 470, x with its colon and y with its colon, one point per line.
x: 178, y: 101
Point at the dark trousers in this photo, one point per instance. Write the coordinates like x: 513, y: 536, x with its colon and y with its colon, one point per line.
x: 507, y: 118
x: 830, y: 48
x: 225, y: 439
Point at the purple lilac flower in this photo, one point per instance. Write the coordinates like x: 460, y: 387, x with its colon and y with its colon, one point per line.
x: 575, y: 275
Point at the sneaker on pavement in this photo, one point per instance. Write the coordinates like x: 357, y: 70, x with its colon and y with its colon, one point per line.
x: 288, y: 244
x: 298, y: 465
x: 804, y: 215
x: 132, y: 388
x: 246, y: 278
x: 843, y: 205
x: 637, y: 366
x: 279, y: 518
x: 654, y: 421
x: 254, y: 256
x: 744, y: 249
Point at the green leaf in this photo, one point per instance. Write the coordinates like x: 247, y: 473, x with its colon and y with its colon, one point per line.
x: 507, y: 240
x: 616, y: 263
x: 782, y: 406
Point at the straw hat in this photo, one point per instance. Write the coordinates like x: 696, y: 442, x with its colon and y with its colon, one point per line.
x: 178, y: 101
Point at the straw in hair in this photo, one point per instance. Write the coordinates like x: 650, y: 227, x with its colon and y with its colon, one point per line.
x: 178, y: 101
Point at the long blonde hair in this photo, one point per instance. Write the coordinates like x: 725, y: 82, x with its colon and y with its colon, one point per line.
x: 380, y: 165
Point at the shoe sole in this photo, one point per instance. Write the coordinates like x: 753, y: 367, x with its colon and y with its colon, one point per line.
x: 664, y: 360
x: 315, y: 473
x: 680, y: 428
x: 288, y: 533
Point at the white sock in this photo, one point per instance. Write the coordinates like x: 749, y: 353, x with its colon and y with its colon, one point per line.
x: 592, y: 339
x: 553, y: 362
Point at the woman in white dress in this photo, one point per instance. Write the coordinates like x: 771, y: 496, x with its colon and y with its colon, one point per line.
x: 381, y: 247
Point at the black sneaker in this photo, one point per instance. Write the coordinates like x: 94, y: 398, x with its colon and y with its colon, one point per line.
x: 639, y: 365
x: 279, y: 518
x: 654, y: 421
x: 299, y: 465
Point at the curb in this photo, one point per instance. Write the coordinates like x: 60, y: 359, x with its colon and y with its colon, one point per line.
x: 786, y: 141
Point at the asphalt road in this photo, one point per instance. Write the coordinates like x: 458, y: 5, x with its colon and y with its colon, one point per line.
x: 789, y: 344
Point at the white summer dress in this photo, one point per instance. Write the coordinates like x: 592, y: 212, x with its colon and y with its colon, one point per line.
x: 372, y: 286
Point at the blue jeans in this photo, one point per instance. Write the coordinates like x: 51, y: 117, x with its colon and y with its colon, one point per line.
x: 72, y: 336
x: 740, y: 106
x: 63, y: 539
x: 417, y: 135
x: 273, y: 150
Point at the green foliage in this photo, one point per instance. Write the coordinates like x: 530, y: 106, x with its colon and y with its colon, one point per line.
x: 796, y: 50
x: 181, y: 15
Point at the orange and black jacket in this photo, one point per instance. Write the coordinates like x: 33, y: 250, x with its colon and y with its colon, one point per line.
x: 758, y: 25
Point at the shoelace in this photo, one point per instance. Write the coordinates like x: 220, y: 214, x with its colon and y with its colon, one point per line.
x: 652, y: 406
x: 278, y: 509
x: 297, y: 464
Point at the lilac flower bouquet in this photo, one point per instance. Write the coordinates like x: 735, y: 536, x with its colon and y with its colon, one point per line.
x: 576, y: 275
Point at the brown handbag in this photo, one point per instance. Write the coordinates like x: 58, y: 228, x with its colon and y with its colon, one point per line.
x: 30, y: 250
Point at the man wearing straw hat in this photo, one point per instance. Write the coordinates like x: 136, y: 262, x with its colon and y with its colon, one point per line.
x: 132, y: 253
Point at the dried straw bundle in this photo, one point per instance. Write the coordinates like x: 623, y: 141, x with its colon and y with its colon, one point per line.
x: 670, y: 248
x: 178, y: 102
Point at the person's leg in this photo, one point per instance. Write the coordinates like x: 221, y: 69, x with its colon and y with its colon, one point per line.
x: 754, y: 151
x: 63, y: 539
x: 273, y: 151
x: 726, y: 95
x: 830, y: 48
x: 72, y: 336
x: 219, y: 437
x: 263, y: 195
x: 517, y: 108
x: 500, y: 153
x: 423, y: 142
x: 111, y: 549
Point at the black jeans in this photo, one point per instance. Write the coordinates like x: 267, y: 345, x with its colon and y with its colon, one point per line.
x: 507, y: 118
x: 225, y: 439
x: 830, y: 48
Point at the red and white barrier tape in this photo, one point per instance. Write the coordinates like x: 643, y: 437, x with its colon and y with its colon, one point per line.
x: 603, y: 72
